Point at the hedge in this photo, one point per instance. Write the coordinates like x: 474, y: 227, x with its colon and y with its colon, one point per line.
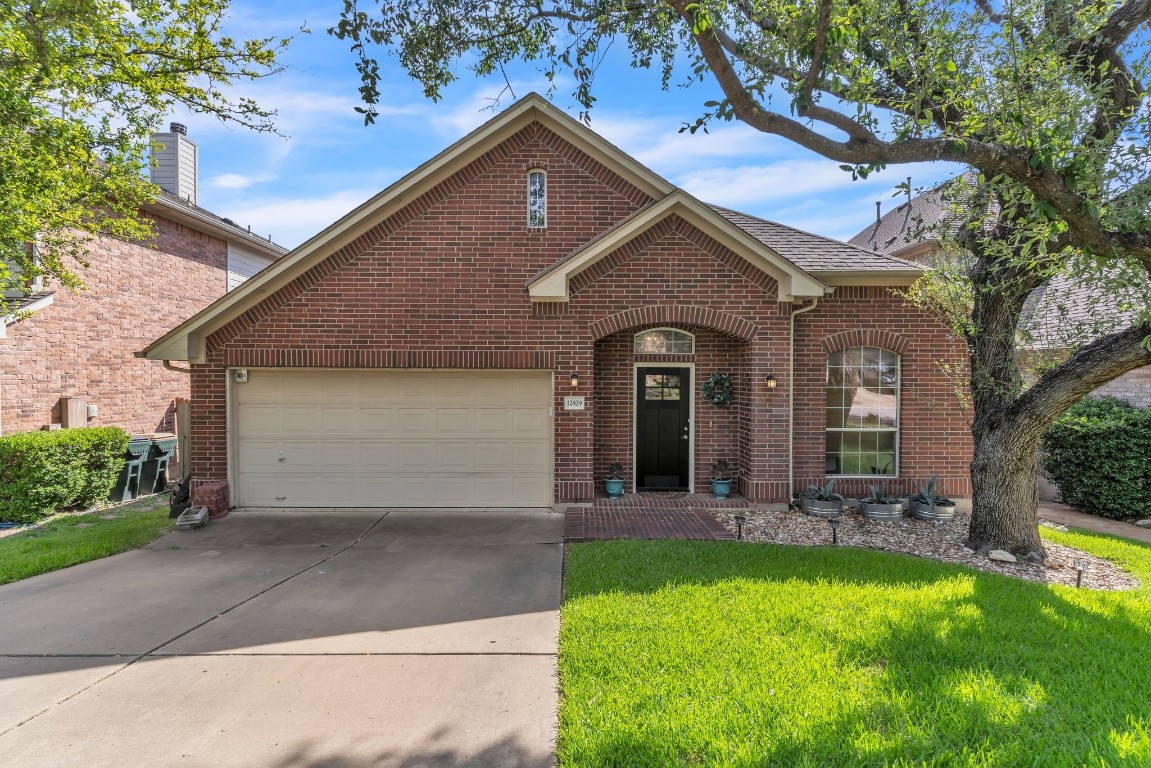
x: 43, y: 472
x: 1098, y: 453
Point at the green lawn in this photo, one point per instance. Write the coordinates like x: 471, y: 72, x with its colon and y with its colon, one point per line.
x: 718, y: 653
x: 77, y: 539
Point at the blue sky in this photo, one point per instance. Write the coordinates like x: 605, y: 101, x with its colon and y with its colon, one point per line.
x: 291, y: 188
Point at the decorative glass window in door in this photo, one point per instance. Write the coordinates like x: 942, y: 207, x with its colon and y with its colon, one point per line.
x: 537, y: 199
x: 664, y: 341
x: 661, y: 387
x: 862, y: 411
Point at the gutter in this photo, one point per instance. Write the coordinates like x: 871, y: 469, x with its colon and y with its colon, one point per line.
x: 170, y: 367
x: 791, y: 397
x: 194, y: 218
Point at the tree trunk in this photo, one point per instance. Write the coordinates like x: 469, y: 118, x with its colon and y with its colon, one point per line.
x: 1004, y: 495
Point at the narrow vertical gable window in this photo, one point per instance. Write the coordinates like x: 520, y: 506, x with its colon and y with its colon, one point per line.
x: 537, y: 199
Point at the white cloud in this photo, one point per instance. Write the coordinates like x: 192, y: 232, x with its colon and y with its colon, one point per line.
x: 291, y: 221
x: 239, y: 180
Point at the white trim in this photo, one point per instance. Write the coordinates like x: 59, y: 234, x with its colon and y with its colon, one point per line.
x: 35, y: 306
x: 552, y: 284
x: 858, y: 430
x: 635, y: 420
x: 533, y: 108
x: 544, y: 173
x: 232, y: 430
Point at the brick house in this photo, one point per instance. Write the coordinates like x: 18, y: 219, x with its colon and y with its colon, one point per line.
x: 532, y: 305
x: 60, y: 345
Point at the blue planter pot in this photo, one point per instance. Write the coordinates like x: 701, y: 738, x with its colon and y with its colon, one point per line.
x: 614, y: 488
x: 721, y: 489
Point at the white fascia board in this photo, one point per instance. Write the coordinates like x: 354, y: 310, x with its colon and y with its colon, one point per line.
x: 793, y: 282
x: 530, y: 109
x: 880, y: 278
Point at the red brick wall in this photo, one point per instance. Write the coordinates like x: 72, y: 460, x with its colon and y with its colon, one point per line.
x: 83, y: 343
x: 934, y: 437
x: 443, y: 284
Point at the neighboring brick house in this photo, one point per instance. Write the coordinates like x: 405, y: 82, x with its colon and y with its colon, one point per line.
x: 532, y: 305
x: 1057, y: 318
x: 62, y: 344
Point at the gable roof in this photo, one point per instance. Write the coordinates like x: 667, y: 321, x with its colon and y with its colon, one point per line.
x: 552, y: 283
x: 171, y: 207
x: 777, y: 250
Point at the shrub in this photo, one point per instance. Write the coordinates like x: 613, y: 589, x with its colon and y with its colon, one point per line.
x: 43, y: 472
x: 1097, y: 454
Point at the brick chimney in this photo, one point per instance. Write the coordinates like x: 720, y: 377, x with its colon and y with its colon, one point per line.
x: 174, y: 162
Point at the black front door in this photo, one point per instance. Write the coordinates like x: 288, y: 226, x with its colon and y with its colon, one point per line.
x: 663, y: 428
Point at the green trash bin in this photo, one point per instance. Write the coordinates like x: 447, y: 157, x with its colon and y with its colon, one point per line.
x: 154, y: 473
x: 128, y: 484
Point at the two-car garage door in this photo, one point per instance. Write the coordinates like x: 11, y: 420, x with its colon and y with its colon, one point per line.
x: 331, y: 438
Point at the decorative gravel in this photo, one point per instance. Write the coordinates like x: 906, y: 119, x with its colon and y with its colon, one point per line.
x: 937, y: 540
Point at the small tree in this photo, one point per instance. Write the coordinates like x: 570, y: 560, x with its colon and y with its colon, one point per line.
x: 83, y: 85
x: 1044, y: 99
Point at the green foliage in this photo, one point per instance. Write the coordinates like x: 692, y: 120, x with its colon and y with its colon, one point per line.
x: 44, y: 472
x: 721, y: 470
x: 932, y: 494
x: 877, y: 494
x: 824, y: 493
x: 83, y: 85
x: 615, y: 471
x: 1097, y: 454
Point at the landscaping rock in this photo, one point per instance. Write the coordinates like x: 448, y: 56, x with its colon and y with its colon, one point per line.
x: 1000, y: 556
x: 1053, y: 526
x: 1144, y: 523
x: 944, y: 541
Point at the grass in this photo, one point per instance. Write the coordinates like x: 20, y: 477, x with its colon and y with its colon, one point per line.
x: 725, y: 654
x: 76, y: 539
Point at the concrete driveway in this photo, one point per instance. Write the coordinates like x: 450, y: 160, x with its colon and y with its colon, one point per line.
x: 293, y: 638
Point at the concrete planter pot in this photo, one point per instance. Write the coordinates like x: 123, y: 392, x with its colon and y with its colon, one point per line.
x: 721, y: 489
x: 824, y: 509
x: 922, y: 511
x: 613, y: 487
x: 881, y: 513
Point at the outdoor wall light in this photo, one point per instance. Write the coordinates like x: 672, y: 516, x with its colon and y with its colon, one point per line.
x: 739, y: 521
x: 834, y: 523
x: 575, y: 379
x: 771, y: 382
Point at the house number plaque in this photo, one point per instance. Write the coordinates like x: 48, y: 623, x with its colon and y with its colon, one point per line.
x: 573, y: 404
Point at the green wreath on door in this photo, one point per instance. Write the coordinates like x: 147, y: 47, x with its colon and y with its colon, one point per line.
x: 717, y: 388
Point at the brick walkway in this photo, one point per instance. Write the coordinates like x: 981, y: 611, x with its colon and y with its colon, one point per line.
x: 646, y: 521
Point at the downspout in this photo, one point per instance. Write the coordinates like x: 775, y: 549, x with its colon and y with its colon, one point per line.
x: 791, y: 396
x: 170, y: 367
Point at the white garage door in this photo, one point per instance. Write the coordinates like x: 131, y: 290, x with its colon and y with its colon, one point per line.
x: 393, y: 439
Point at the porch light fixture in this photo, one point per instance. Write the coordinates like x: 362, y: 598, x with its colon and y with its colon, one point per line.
x: 739, y: 521
x: 834, y: 523
x: 575, y: 379
x: 771, y: 382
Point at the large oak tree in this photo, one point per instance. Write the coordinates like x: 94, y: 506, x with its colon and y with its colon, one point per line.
x: 1043, y: 99
x: 83, y: 85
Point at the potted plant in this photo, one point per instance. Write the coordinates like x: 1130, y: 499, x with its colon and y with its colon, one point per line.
x: 614, y: 480
x: 822, y: 502
x: 879, y: 506
x: 929, y: 504
x: 721, y: 479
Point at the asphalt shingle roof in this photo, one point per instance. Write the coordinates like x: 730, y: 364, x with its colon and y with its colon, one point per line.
x: 814, y: 253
